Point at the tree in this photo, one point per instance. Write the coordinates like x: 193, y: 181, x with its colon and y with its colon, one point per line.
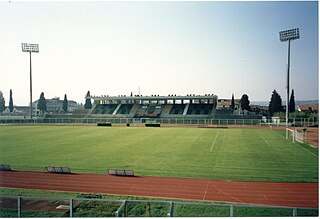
x: 292, y: 103
x: 2, y: 102
x: 42, y: 103
x: 244, y: 102
x: 232, y: 102
x: 275, y: 104
x: 88, y: 104
x: 11, y: 102
x: 65, y: 104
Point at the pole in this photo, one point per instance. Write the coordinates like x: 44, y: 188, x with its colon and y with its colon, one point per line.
x: 19, y: 206
x: 288, y: 87
x: 71, y: 207
x: 171, y: 209
x: 30, y: 88
x: 231, y: 210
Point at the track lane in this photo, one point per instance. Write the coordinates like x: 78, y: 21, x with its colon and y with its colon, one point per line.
x: 260, y: 193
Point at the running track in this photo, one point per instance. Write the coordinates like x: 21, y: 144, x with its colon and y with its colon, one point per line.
x: 261, y: 193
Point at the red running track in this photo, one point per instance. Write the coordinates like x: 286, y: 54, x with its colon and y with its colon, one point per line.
x: 260, y: 193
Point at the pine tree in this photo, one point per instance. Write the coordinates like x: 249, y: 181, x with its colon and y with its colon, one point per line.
x: 42, y: 103
x: 292, y: 104
x: 65, y: 104
x: 11, y: 102
x: 88, y: 104
x: 275, y: 104
x: 245, y: 103
x: 232, y: 106
x: 2, y: 102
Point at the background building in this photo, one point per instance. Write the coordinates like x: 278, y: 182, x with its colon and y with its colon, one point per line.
x: 56, y: 105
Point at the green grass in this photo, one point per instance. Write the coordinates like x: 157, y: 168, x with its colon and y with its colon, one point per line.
x: 236, y: 154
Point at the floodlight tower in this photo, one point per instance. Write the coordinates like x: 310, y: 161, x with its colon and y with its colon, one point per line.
x: 30, y: 48
x: 288, y: 35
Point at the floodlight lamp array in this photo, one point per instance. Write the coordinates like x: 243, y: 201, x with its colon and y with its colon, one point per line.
x: 30, y: 47
x: 291, y: 34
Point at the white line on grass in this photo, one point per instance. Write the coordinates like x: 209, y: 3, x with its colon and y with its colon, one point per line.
x: 214, y: 141
x: 306, y: 150
x: 296, y: 144
x: 265, y: 140
x: 278, y: 134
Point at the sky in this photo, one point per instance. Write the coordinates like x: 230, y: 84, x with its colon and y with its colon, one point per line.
x: 115, y: 48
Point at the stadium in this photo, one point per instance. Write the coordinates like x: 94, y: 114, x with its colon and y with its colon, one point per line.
x: 179, y: 148
x: 194, y: 157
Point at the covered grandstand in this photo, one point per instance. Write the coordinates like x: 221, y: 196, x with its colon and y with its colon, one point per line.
x: 155, y: 106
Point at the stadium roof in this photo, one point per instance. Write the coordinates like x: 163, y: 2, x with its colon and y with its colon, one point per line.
x: 156, y: 97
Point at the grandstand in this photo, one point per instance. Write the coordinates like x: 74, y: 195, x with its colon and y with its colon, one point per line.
x: 155, y: 106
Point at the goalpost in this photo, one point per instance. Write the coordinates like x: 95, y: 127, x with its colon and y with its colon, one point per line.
x: 291, y: 133
x: 299, y: 136
x: 295, y: 134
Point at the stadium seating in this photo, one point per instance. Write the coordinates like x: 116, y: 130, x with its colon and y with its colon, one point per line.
x: 5, y: 167
x: 104, y: 108
x: 125, y: 109
x: 79, y: 113
x: 166, y: 109
x: 177, y: 109
x: 161, y: 109
x: 200, y: 109
x: 152, y: 111
x: 141, y: 109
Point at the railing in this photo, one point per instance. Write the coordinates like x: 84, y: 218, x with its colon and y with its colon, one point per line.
x: 165, y: 121
x: 13, y: 206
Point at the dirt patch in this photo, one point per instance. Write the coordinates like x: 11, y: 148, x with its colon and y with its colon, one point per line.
x: 35, y: 205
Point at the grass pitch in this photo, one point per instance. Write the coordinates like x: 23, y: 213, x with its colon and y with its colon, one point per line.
x: 229, y: 154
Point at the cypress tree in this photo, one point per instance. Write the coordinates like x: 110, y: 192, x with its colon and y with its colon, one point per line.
x: 65, y: 104
x: 11, y: 102
x: 232, y: 106
x: 2, y: 102
x: 42, y: 103
x: 292, y: 103
x: 88, y: 104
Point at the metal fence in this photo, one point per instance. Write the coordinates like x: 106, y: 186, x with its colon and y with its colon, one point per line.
x: 12, y: 206
x: 300, y: 122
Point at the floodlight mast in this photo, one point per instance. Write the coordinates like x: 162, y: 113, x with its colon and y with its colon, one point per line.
x: 288, y: 35
x: 30, y: 48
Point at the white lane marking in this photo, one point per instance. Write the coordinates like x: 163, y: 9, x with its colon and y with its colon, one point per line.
x: 265, y: 140
x: 214, y: 141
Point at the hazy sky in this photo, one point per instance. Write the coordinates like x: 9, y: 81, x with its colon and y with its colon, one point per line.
x: 112, y: 48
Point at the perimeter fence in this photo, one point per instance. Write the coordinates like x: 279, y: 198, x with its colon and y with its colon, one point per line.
x: 299, y: 122
x: 13, y: 206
